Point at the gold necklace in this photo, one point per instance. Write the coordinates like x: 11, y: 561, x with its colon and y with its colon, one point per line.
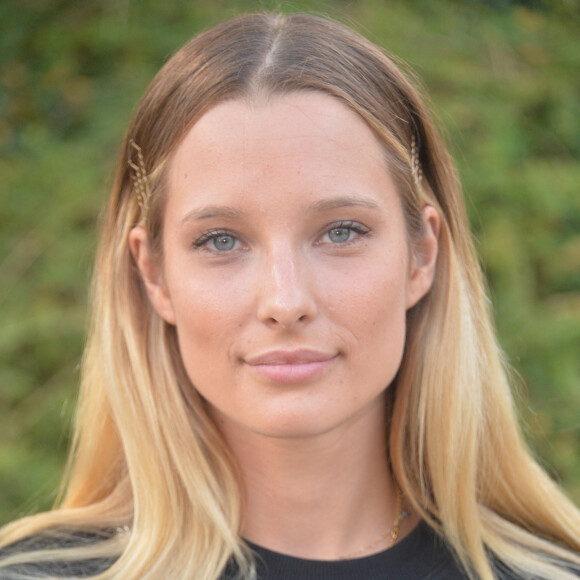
x: 392, y: 533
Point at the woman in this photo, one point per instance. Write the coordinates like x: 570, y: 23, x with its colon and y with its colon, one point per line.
x: 291, y: 370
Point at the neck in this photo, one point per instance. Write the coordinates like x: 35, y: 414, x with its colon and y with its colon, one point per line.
x: 317, y: 497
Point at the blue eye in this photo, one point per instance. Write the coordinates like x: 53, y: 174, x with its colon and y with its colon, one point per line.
x: 340, y: 235
x: 344, y: 232
x: 223, y: 242
x: 217, y: 241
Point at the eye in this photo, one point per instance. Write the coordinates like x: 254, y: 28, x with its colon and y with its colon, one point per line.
x: 344, y: 232
x: 340, y: 235
x: 223, y: 242
x: 219, y: 241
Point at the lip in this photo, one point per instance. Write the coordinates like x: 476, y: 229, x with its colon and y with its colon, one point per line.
x: 291, y: 366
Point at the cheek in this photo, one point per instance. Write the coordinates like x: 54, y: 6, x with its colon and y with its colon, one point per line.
x: 205, y: 339
x: 377, y: 310
x: 375, y: 288
x: 207, y: 317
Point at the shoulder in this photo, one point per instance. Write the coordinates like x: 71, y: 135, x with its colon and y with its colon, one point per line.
x: 45, y: 555
x: 430, y: 557
x: 503, y: 573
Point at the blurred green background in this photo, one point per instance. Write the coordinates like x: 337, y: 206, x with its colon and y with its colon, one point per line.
x: 504, y: 79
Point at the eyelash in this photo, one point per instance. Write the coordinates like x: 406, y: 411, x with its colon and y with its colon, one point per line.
x: 212, y: 235
x: 353, y: 226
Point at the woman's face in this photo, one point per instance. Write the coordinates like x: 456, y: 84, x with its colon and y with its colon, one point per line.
x: 286, y: 267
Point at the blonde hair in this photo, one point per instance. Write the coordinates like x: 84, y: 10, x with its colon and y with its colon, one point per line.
x: 145, y: 453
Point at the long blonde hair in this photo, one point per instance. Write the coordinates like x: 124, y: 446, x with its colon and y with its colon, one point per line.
x: 145, y: 453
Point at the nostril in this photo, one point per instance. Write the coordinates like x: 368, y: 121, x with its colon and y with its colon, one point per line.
x: 276, y: 313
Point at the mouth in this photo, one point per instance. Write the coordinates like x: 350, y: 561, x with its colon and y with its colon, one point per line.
x: 294, y: 366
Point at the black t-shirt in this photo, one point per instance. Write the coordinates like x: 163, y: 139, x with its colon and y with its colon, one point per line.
x: 418, y: 556
x: 421, y: 555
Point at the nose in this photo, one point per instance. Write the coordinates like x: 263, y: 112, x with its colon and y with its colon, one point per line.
x: 285, y: 293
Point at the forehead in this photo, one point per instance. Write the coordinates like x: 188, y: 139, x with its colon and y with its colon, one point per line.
x: 299, y: 148
x: 284, y: 124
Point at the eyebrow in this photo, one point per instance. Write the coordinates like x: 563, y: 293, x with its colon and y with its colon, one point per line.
x: 344, y: 201
x: 212, y: 211
x: 228, y: 212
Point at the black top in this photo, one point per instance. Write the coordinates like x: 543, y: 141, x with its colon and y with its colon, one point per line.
x: 419, y: 556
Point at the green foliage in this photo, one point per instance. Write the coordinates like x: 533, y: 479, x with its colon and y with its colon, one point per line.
x: 502, y: 76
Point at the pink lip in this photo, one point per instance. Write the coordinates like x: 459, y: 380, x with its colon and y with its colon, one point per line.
x: 294, y: 366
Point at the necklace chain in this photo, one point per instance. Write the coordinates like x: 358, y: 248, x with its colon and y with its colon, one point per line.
x: 391, y: 534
